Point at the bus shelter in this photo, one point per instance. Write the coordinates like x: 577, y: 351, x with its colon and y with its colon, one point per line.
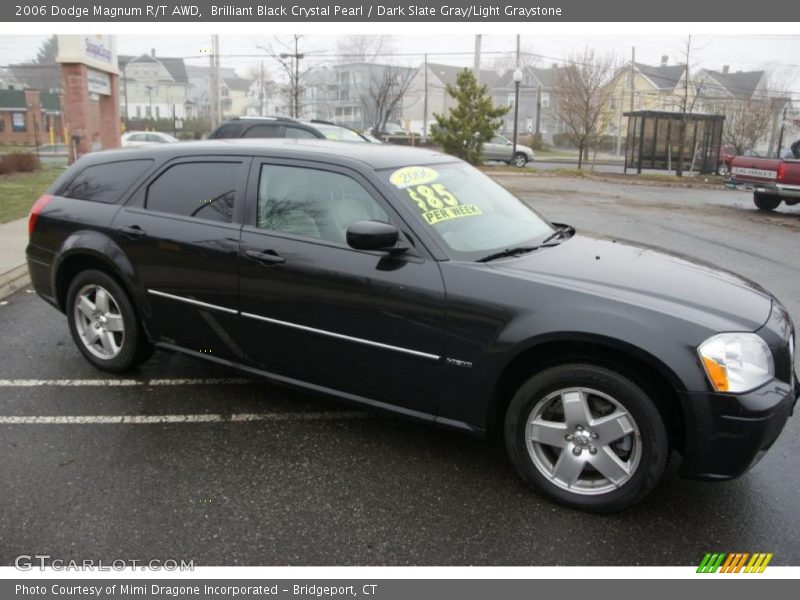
x: 654, y: 141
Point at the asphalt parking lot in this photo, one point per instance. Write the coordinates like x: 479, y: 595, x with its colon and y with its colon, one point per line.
x: 184, y: 460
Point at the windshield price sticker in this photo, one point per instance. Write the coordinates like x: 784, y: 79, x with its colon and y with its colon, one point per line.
x: 408, y: 176
x: 438, y: 204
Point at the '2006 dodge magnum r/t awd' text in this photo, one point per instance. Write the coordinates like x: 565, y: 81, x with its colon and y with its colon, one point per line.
x: 406, y: 280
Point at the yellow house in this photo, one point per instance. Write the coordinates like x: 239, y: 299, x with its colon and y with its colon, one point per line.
x: 660, y: 88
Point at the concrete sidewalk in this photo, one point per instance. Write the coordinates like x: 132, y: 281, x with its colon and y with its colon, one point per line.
x: 13, y: 268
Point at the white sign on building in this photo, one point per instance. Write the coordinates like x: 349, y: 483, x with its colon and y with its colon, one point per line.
x: 96, y: 51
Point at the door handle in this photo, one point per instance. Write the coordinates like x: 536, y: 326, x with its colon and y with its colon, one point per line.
x: 132, y: 232
x: 268, y: 257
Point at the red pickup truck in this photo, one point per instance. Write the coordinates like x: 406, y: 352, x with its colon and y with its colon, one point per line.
x: 773, y: 179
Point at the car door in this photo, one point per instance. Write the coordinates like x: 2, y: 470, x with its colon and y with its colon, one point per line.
x: 180, y: 231
x: 364, y: 324
x: 495, y: 149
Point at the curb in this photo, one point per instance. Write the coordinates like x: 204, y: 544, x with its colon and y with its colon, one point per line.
x: 14, y: 280
x: 611, y: 179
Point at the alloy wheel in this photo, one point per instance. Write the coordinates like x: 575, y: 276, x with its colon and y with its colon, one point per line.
x: 583, y: 441
x: 99, y: 322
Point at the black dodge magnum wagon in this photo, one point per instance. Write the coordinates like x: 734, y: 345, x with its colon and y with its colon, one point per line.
x: 406, y: 280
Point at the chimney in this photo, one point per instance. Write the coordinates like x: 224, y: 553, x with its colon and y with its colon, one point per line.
x: 726, y: 69
x: 153, y: 52
x: 664, y: 60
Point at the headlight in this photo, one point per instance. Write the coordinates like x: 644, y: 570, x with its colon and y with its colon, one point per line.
x: 736, y: 362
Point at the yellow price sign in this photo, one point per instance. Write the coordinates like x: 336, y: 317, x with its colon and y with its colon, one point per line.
x: 408, y: 176
x: 438, y: 204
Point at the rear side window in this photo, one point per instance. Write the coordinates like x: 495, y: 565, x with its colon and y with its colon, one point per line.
x: 204, y: 190
x: 230, y: 130
x: 263, y: 131
x: 299, y: 134
x: 106, y: 182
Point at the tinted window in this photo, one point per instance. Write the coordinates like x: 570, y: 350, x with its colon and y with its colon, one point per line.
x: 107, y: 182
x: 312, y: 203
x: 338, y: 134
x: 205, y: 190
x: 229, y: 130
x: 263, y: 131
x: 297, y: 133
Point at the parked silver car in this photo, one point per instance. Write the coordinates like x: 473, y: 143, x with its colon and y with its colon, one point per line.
x: 501, y: 148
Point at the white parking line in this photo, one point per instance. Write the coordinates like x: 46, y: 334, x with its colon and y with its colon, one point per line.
x: 198, y: 418
x: 118, y: 382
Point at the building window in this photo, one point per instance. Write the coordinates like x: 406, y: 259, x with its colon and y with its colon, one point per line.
x: 510, y: 100
x: 18, y: 121
x: 147, y: 112
x: 545, y: 100
x: 158, y: 112
x: 138, y: 112
x: 2, y: 122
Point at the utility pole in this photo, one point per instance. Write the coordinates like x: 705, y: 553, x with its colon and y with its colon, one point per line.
x: 216, y: 115
x: 425, y: 102
x: 125, y: 85
x: 476, y: 66
x: 296, y: 79
x: 780, y: 135
x: 261, y: 93
x: 632, y: 76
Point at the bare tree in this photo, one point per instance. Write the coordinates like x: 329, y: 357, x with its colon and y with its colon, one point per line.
x: 288, y: 55
x: 583, y: 92
x: 363, y: 48
x: 383, y: 93
x: 747, y: 121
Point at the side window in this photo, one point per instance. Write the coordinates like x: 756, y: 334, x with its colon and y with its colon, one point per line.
x: 205, y: 190
x: 105, y: 183
x: 299, y: 134
x: 263, y: 131
x: 231, y: 130
x: 312, y: 203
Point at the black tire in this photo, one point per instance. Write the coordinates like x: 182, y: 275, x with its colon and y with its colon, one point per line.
x: 652, y: 442
x: 766, y: 201
x: 722, y: 170
x: 519, y: 160
x: 134, y: 347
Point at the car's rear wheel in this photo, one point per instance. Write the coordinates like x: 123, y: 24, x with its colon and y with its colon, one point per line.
x: 587, y: 437
x: 722, y: 170
x: 104, y: 324
x: 519, y: 160
x: 766, y: 201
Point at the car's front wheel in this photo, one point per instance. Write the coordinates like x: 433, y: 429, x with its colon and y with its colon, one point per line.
x: 104, y: 324
x: 587, y: 437
x: 519, y: 160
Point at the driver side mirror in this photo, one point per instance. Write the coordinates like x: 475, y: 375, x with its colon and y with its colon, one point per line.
x: 374, y: 235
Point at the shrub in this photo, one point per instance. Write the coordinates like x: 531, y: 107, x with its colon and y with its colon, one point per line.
x: 18, y: 162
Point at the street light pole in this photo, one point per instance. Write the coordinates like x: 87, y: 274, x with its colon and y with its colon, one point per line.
x: 517, y: 81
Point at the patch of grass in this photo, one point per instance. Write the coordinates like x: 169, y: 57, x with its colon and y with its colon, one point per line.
x: 19, y: 191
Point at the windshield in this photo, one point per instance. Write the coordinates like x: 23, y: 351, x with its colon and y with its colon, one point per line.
x: 466, y: 210
x: 339, y: 134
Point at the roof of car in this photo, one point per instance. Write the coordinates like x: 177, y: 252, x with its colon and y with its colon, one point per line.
x: 376, y: 156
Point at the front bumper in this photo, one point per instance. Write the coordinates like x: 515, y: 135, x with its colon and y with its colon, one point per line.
x: 728, y: 434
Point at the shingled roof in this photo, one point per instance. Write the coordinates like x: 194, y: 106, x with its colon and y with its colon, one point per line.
x: 448, y: 74
x: 10, y: 99
x: 741, y: 83
x: 175, y: 66
x: 664, y: 77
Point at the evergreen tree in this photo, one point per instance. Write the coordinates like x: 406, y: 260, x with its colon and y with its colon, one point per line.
x: 472, y: 122
x: 47, y: 52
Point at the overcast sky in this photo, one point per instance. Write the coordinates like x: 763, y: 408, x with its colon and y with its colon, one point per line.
x: 752, y: 52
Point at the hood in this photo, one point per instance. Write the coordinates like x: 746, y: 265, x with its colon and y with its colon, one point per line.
x: 647, y: 277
